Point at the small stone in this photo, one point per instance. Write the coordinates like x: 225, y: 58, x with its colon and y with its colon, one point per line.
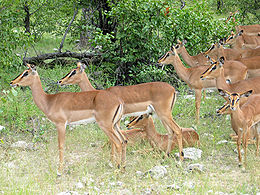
x: 93, y: 144
x: 79, y: 185
x: 222, y: 142
x: 173, y: 187
x: 189, y: 184
x: 68, y: 193
x: 241, y: 150
x: 139, y: 173
x: 2, y: 127
x: 191, y: 153
x: 195, y: 167
x: 157, y: 172
x: 125, y: 192
x: 19, y: 144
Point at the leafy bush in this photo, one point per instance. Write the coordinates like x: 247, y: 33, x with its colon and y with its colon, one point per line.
x: 144, y: 30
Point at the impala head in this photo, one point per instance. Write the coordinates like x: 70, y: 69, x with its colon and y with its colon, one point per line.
x: 214, y: 70
x: 26, y: 77
x: 214, y: 50
x: 233, y: 98
x: 139, y: 122
x: 168, y: 56
x: 232, y: 38
x: 74, y: 76
x: 180, y: 44
x: 224, y: 109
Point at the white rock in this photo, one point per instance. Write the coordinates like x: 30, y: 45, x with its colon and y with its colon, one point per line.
x: 125, y: 192
x: 79, y: 185
x: 191, y: 153
x: 189, y: 184
x: 241, y: 150
x: 2, y: 127
x: 222, y: 142
x: 19, y: 144
x: 68, y: 193
x: 173, y: 187
x: 157, y: 172
x: 195, y: 167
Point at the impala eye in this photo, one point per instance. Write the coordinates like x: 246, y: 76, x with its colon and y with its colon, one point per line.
x: 72, y: 73
x: 25, y: 74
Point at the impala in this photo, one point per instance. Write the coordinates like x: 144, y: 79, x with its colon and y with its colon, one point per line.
x: 216, y: 71
x: 192, y: 61
x: 243, y: 41
x: 217, y: 50
x: 145, y: 122
x: 244, y: 118
x: 77, y: 107
x: 191, y: 76
x: 252, y: 29
x: 225, y: 109
x: 137, y: 98
x: 252, y: 63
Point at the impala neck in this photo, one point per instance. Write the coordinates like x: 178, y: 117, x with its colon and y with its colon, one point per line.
x: 181, y: 70
x: 237, y: 116
x: 221, y: 81
x: 186, y: 57
x: 39, y: 96
x: 151, y: 132
x: 85, y: 84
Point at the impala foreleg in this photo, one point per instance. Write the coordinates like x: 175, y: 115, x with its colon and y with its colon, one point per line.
x: 61, y: 128
x: 246, y: 135
x: 238, y: 149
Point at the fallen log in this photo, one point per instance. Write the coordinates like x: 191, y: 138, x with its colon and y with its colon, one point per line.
x: 80, y: 56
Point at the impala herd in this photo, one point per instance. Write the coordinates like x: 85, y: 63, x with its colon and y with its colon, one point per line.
x: 234, y: 71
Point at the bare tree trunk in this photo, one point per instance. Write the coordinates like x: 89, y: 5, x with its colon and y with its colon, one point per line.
x: 27, y: 18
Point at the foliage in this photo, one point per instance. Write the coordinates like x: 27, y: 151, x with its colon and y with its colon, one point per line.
x: 145, y: 30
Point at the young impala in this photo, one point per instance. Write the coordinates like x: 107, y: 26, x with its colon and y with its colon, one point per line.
x: 244, y: 118
x: 137, y: 98
x: 145, y: 122
x: 69, y: 108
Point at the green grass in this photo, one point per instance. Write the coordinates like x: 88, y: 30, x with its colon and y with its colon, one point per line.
x: 34, y: 171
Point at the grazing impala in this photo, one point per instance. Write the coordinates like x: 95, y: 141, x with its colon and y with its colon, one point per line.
x: 191, y: 76
x: 244, y: 118
x: 69, y: 108
x: 137, y: 98
x: 145, y: 122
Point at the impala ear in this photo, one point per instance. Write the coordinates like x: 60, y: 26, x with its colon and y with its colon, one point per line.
x: 81, y: 66
x: 221, y: 60
x: 184, y: 42
x: 247, y: 94
x: 240, y: 33
x: 32, y: 68
x: 223, y: 93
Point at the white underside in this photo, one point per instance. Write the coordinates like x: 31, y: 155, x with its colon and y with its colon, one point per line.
x: 150, y: 109
x: 85, y: 121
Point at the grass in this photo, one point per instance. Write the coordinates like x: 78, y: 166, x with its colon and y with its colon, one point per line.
x: 87, y: 159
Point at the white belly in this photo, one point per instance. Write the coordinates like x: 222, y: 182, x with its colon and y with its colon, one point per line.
x: 84, y: 121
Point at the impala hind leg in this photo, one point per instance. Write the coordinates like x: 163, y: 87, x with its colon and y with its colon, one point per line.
x: 173, y: 129
x: 197, y: 103
x: 61, y: 128
x: 245, y: 144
